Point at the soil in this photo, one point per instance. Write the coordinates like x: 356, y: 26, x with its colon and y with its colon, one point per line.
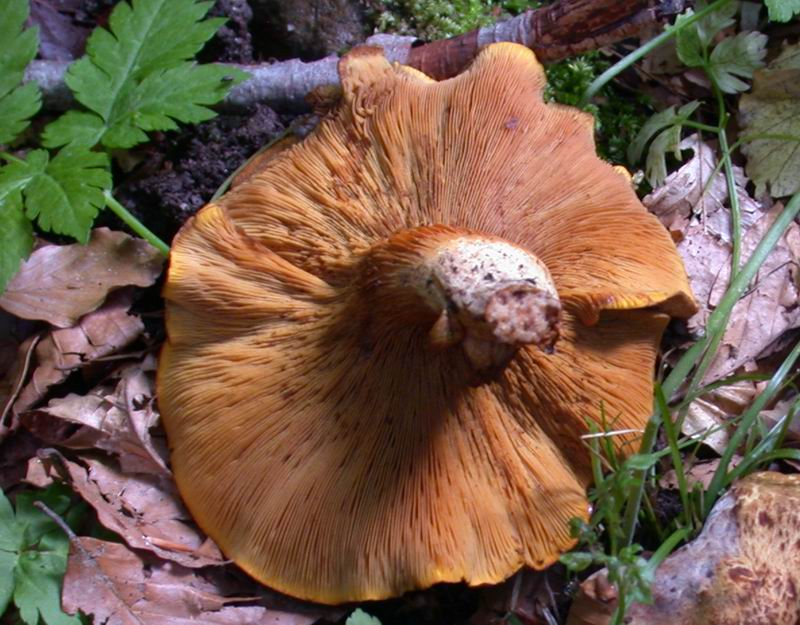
x: 179, y: 173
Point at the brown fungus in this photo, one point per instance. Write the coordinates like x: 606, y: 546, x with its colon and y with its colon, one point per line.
x: 384, y: 346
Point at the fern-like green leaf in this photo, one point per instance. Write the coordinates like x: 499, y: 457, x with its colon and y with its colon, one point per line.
x: 64, y: 193
x: 18, y: 103
x: 782, y: 10
x: 137, y: 76
x: 16, y: 243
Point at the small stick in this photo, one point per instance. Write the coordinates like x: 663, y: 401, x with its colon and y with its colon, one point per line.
x: 76, y: 542
x: 555, y: 32
x: 6, y: 429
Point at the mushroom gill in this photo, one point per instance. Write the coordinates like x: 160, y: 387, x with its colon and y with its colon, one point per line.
x: 384, y: 346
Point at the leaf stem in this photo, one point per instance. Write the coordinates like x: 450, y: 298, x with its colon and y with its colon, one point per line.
x: 134, y: 224
x: 11, y: 158
x: 625, y: 62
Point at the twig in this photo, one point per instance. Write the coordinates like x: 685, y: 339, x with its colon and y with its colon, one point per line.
x: 6, y: 429
x: 555, y: 32
x: 73, y: 537
x: 75, y: 541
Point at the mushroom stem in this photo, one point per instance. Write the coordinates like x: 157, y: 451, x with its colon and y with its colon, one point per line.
x: 484, y: 293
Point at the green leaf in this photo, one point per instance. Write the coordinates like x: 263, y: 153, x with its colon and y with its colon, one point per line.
x: 17, y: 103
x: 737, y: 56
x: 770, y: 116
x: 8, y: 556
x: 577, y: 561
x: 136, y: 76
x: 66, y: 195
x: 359, y: 617
x: 666, y: 127
x: 692, y: 42
x: 782, y: 10
x: 74, y: 127
x: 33, y: 557
x: 16, y: 243
x: 178, y: 93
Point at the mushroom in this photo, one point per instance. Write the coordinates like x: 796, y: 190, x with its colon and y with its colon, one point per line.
x: 385, y: 346
x: 741, y: 569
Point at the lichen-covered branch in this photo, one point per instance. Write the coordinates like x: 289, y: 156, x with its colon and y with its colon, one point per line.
x: 560, y: 30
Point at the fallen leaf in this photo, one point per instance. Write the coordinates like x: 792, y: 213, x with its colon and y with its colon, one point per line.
x: 145, y: 510
x: 709, y: 417
x: 595, y: 601
x: 686, y: 192
x: 786, y: 408
x: 697, y: 474
x: 742, y: 569
x: 119, y: 587
x: 773, y: 108
x: 61, y: 283
x: 115, y: 416
x: 771, y: 308
x: 98, y: 334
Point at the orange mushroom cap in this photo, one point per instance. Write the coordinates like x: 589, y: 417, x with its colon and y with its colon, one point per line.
x: 384, y: 347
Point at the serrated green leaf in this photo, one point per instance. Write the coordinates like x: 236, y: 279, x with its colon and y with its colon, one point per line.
x: 667, y: 140
x: 692, y: 42
x: 657, y: 122
x: 143, y: 57
x: 9, y: 543
x: 770, y: 116
x: 782, y: 10
x: 74, y: 127
x: 663, y: 119
x: 17, y: 108
x: 65, y: 196
x: 16, y: 243
x: 359, y: 617
x: 17, y: 103
x: 19, y: 46
x: 178, y: 93
x: 577, y: 561
x: 737, y: 56
x: 33, y: 557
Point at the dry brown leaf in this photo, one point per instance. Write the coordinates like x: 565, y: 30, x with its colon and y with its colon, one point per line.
x: 682, y: 194
x: 768, y: 311
x: 687, y: 192
x: 98, y: 334
x: 115, y: 416
x: 120, y: 587
x: 771, y: 308
x: 61, y: 283
x: 709, y: 417
x: 699, y: 473
x: 145, y: 510
x: 595, y: 601
x: 784, y: 408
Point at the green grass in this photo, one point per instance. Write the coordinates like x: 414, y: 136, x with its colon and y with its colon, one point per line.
x: 624, y: 488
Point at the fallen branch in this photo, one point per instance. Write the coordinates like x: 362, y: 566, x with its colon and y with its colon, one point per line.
x: 560, y: 30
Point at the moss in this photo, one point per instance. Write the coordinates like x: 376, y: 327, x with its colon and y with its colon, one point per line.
x: 618, y: 113
x: 439, y: 19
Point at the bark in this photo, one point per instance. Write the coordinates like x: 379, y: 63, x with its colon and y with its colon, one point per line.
x: 558, y: 31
